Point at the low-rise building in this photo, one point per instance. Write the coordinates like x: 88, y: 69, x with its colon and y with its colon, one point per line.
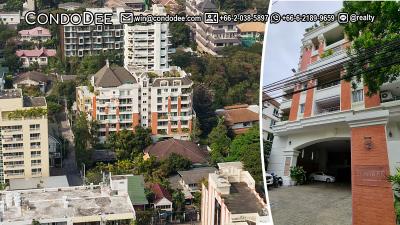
x: 38, y: 183
x: 55, y: 152
x: 239, y: 118
x: 93, y: 204
x: 134, y: 5
x: 231, y: 198
x: 210, y: 37
x: 39, y: 56
x: 188, y: 149
x: 270, y: 115
x: 162, y: 198
x: 131, y: 185
x: 31, y: 78
x: 118, y: 99
x: 11, y: 19
x: 37, y: 35
x: 251, y: 32
x: 188, y: 181
x: 24, y: 136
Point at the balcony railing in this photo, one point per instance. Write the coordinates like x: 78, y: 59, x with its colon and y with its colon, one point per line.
x: 328, y: 110
x: 331, y: 84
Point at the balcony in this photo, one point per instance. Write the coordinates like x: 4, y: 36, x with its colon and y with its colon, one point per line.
x: 13, y: 157
x: 286, y: 104
x: 327, y: 106
x: 13, y: 167
x: 327, y: 91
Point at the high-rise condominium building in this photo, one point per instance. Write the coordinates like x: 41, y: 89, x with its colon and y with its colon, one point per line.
x: 119, y: 99
x: 211, y: 38
x: 24, y: 136
x: 80, y: 40
x: 146, y: 45
x: 334, y: 126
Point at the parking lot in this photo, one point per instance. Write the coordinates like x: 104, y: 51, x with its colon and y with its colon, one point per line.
x: 311, y: 204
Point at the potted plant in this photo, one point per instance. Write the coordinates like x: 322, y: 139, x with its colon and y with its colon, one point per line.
x: 297, y: 174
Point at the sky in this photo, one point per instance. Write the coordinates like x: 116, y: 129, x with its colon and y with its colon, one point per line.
x: 282, y: 50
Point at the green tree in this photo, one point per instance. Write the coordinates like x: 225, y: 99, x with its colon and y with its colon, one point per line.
x: 379, y: 34
x: 13, y: 5
x: 128, y: 144
x: 180, y: 34
x: 246, y: 148
x: 178, y: 200
x: 219, y: 142
x: 82, y: 139
x: 35, y: 222
x: 175, y: 163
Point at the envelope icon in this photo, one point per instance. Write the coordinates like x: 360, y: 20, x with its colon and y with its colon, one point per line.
x: 126, y: 17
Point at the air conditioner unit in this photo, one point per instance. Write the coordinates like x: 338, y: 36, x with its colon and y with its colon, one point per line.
x: 386, y: 96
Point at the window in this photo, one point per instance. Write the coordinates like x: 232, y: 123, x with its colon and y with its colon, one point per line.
x: 34, y: 126
x: 276, y: 112
x: 301, y: 108
x: 270, y: 137
x: 272, y: 123
x: 358, y: 95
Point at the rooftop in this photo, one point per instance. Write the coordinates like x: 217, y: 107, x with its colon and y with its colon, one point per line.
x: 188, y: 149
x: 242, y: 199
x: 36, y: 52
x: 238, y: 114
x: 10, y: 93
x: 160, y: 193
x: 34, y: 101
x: 63, y: 203
x: 39, y: 182
x: 113, y: 76
x: 37, y: 31
x: 252, y: 27
x: 31, y: 75
x: 195, y: 175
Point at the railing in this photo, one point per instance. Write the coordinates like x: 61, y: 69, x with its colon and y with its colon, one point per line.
x: 328, y: 110
x: 324, y: 86
x: 13, y: 157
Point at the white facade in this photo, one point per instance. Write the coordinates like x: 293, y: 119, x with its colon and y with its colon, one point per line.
x: 10, y: 18
x: 146, y: 45
x: 80, y: 40
x: 221, y: 205
x: 156, y: 100
x: 270, y: 115
x: 24, y: 146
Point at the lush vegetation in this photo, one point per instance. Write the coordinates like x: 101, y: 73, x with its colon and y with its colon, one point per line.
x: 395, y: 180
x: 298, y: 174
x: 180, y: 33
x: 379, y: 35
x: 27, y: 113
x: 128, y: 144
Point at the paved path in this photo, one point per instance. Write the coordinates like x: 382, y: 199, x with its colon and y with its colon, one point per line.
x: 312, y: 204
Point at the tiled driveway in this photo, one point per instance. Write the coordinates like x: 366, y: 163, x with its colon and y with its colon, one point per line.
x: 311, y: 204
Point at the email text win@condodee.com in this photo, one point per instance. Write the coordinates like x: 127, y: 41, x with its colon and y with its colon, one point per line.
x: 88, y: 18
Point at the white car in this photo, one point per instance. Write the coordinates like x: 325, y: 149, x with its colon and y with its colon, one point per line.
x: 320, y: 176
x: 269, y: 179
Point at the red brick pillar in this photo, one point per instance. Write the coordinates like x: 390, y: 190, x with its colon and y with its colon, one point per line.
x: 306, y: 56
x: 154, y: 121
x: 371, y: 101
x: 295, y: 104
x: 345, y: 93
x: 135, y: 120
x: 308, y: 107
x: 372, y: 195
x: 169, y: 104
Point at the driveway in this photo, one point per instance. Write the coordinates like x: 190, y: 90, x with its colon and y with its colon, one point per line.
x: 311, y: 204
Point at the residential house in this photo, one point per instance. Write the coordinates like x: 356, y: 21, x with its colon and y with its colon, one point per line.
x: 32, y: 78
x: 39, y: 56
x: 11, y: 19
x: 188, y: 149
x: 162, y: 198
x: 131, y: 185
x: 37, y: 35
x: 251, y: 32
x: 239, y: 118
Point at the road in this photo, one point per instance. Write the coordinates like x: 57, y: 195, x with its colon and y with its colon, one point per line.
x: 69, y: 163
x: 311, y: 204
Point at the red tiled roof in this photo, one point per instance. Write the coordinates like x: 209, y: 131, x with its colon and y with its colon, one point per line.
x: 160, y: 193
x: 190, y: 150
x: 36, y: 32
x: 36, y: 52
x: 238, y: 115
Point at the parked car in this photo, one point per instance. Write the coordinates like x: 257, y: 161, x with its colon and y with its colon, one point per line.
x: 270, y: 179
x: 321, y: 176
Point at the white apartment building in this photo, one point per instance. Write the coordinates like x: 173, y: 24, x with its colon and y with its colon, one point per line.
x: 118, y: 99
x: 211, y: 38
x: 94, y: 204
x: 231, y: 198
x: 146, y: 45
x: 80, y: 40
x: 270, y: 114
x: 24, y: 136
